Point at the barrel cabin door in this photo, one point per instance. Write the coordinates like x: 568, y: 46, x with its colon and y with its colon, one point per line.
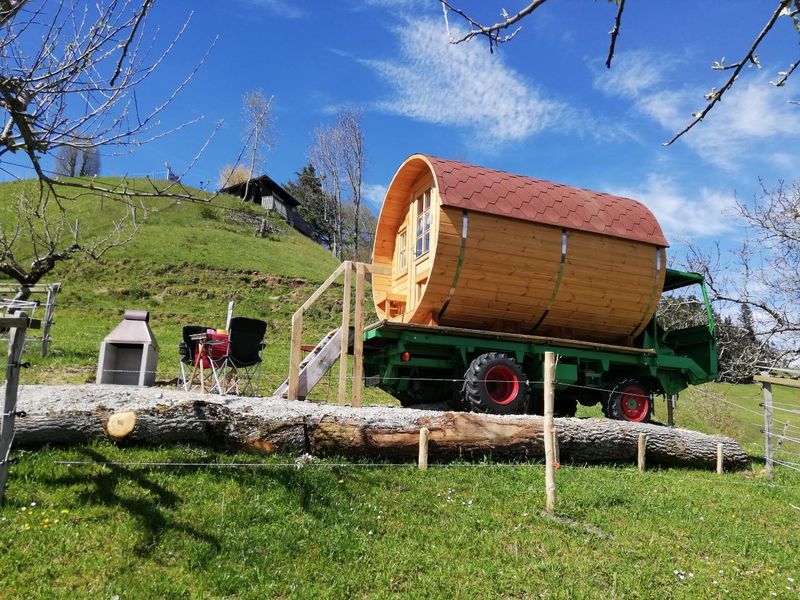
x: 414, y: 250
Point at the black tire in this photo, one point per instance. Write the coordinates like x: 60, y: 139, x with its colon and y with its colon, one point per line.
x: 494, y: 383
x: 630, y: 400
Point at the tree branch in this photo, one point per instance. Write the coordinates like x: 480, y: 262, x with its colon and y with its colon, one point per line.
x: 615, y: 32
x: 716, y: 95
x: 492, y: 32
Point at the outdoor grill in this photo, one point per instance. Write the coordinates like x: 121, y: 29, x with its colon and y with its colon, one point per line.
x: 129, y: 354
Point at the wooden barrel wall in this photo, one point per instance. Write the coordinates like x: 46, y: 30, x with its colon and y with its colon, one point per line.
x: 483, y: 249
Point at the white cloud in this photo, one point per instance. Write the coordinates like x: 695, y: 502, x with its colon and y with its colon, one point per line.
x: 401, y: 4
x: 467, y: 87
x: 373, y: 194
x: 752, y: 120
x: 632, y: 73
x: 710, y: 213
x: 281, y: 8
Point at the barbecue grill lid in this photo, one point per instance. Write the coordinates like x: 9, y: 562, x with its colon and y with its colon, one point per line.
x: 133, y: 329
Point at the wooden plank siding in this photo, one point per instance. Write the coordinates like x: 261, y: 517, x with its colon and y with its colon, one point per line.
x: 509, y: 277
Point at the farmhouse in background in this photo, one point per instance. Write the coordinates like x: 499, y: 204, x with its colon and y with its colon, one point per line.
x: 267, y: 193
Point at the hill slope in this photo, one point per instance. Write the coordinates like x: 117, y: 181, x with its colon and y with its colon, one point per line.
x: 185, y: 264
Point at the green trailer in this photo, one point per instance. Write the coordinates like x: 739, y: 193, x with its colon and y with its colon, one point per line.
x: 503, y: 373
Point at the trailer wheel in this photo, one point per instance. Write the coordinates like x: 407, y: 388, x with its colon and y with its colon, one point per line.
x: 495, y: 383
x: 630, y: 401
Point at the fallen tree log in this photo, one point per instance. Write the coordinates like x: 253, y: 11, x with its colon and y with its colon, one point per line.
x: 76, y: 414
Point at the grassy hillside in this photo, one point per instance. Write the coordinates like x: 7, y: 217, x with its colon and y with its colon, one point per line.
x: 186, y: 263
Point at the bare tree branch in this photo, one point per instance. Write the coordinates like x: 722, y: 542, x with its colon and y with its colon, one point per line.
x: 615, y: 32
x: 749, y: 58
x: 491, y: 32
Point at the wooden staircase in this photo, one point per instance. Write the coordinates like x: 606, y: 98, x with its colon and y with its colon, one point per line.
x: 305, y: 373
x: 315, y: 365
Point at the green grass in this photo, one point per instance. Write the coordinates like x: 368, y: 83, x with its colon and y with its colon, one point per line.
x: 464, y: 531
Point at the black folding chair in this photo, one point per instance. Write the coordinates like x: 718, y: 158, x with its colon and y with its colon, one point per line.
x: 242, y: 364
x: 187, y: 350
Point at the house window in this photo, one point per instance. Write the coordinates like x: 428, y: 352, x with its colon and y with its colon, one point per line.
x: 401, y: 250
x: 423, y: 224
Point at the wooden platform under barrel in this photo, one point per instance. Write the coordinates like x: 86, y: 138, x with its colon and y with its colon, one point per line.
x: 483, y: 249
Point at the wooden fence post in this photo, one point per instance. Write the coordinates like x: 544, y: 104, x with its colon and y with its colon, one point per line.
x: 641, y: 452
x: 720, y: 458
x: 294, y: 355
x: 670, y: 410
x: 358, y: 335
x: 345, y: 345
x: 549, y: 457
x: 423, y: 449
x: 49, y: 308
x: 16, y: 343
x: 767, y: 427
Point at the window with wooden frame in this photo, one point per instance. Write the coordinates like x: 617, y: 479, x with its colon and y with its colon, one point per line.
x: 401, y: 249
x: 423, y: 213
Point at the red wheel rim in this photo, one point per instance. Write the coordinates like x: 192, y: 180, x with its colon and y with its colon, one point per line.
x: 502, y: 384
x: 635, y: 403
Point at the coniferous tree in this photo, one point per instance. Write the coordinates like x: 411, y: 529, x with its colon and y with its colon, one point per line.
x: 316, y: 206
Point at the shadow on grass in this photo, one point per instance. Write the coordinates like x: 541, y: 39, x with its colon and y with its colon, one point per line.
x: 315, y: 491
x: 149, y: 512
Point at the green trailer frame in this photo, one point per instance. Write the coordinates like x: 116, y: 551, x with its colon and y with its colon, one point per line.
x: 421, y: 364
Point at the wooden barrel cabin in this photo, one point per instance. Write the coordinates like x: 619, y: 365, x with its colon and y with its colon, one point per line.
x: 482, y: 249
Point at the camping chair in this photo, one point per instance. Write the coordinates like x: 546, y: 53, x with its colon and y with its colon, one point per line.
x: 242, y: 364
x: 187, y: 349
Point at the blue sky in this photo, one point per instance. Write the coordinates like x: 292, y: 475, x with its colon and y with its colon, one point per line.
x: 543, y: 105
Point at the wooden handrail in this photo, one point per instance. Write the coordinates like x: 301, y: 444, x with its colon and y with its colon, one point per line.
x: 347, y: 268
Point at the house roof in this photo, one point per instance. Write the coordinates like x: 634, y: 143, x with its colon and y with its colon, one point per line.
x: 267, y: 185
x: 485, y: 190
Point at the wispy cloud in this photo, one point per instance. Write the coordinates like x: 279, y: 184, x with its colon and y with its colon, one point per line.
x: 708, y: 213
x: 752, y: 122
x: 280, y: 8
x: 398, y: 4
x: 753, y: 117
x: 466, y: 87
x: 373, y: 194
x: 633, y: 73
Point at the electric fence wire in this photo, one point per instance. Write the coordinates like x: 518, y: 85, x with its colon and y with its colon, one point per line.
x: 782, y: 451
x: 794, y: 440
x: 788, y: 465
x: 786, y: 410
x: 306, y: 461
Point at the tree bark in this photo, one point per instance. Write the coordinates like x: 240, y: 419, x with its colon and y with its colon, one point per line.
x: 77, y: 414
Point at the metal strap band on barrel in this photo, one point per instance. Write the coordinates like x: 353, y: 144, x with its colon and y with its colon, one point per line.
x: 637, y: 330
x: 558, y: 280
x: 459, y: 264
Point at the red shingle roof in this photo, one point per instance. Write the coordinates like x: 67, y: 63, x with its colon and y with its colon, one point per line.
x: 505, y: 194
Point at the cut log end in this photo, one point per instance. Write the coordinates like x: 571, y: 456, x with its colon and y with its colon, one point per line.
x: 121, y: 424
